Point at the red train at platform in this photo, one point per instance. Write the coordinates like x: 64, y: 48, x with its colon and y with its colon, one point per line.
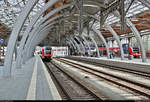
x: 47, y: 53
x: 133, y: 51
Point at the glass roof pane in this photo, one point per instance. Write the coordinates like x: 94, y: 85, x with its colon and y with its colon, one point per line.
x: 10, y: 9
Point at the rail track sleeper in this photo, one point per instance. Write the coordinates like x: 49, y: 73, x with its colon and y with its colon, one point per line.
x: 144, y: 74
x: 62, y: 88
x: 134, y: 89
x: 86, y: 85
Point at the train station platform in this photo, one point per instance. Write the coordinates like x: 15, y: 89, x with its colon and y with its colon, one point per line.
x: 31, y: 82
x: 126, y: 59
x: 119, y: 59
x: 134, y: 64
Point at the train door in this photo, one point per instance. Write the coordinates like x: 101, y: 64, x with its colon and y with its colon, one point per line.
x: 125, y: 49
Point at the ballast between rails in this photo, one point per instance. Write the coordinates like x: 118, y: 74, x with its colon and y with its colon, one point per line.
x: 143, y: 74
x: 131, y: 85
x: 77, y: 80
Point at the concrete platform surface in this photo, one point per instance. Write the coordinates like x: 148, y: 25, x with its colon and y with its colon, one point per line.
x: 31, y: 82
x: 131, y: 65
x: 134, y: 60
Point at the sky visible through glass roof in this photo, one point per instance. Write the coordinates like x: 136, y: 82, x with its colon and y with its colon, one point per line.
x: 10, y: 9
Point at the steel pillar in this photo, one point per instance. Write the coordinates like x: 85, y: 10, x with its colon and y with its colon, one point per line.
x: 77, y: 50
x: 68, y: 40
x: 138, y: 37
x: 36, y: 41
x: 70, y: 47
x: 21, y: 19
x: 70, y: 44
x: 103, y: 39
x: 78, y: 47
x: 27, y: 32
x: 117, y: 39
x: 30, y: 39
x: 91, y: 37
x: 15, y: 50
x: 81, y: 44
x: 14, y: 35
x: 86, y: 44
x: 73, y: 45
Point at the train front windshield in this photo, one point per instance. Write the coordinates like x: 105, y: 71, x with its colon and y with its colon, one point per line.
x: 135, y: 50
x: 47, y: 50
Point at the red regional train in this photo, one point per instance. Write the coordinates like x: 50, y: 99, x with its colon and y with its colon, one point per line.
x: 134, y: 51
x: 47, y: 53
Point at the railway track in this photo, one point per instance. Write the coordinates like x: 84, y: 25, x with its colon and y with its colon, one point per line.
x: 135, y: 87
x: 135, y: 72
x: 72, y: 88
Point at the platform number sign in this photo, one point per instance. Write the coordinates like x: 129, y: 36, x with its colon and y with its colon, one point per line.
x: 1, y: 41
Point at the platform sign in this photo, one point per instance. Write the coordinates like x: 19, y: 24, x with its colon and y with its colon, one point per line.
x: 1, y: 41
x: 92, y: 48
x: 86, y: 48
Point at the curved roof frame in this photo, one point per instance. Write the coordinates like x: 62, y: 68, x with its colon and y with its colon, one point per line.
x: 8, y: 58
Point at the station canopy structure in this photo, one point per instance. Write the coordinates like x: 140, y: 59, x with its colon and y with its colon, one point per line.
x: 136, y: 10
x: 9, y: 11
x: 60, y: 20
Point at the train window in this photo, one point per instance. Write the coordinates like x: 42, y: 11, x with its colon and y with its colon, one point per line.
x: 48, y: 52
x: 48, y: 48
x: 125, y: 48
x: 135, y: 50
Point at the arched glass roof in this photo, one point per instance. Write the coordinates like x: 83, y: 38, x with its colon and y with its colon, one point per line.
x: 10, y: 9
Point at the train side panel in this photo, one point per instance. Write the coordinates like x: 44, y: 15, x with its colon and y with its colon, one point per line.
x: 133, y: 51
x: 60, y: 51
